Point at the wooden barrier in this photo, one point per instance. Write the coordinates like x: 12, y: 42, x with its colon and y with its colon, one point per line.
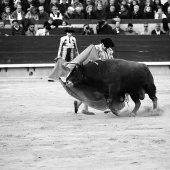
x: 32, y: 50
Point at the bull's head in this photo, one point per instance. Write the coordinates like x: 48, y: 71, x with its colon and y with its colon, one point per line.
x: 75, y: 76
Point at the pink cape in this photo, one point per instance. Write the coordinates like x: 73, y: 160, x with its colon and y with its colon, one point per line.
x: 82, y: 92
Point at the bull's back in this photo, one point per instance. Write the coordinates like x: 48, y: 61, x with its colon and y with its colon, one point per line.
x: 130, y: 74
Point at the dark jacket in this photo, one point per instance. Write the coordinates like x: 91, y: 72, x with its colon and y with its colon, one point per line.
x: 148, y: 15
x: 100, y: 14
x: 63, y: 8
x: 121, y: 32
x: 79, y: 16
x: 154, y: 32
x: 106, y: 29
x: 111, y: 15
x: 137, y: 15
x: 68, y: 16
x: 26, y: 5
x: 20, y: 31
x: 124, y: 15
x: 43, y: 16
x: 91, y: 16
x: 165, y: 7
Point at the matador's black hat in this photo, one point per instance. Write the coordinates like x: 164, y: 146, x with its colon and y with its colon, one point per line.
x: 107, y: 42
x: 69, y: 30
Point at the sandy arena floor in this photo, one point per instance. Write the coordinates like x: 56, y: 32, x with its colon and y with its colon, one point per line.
x: 39, y: 130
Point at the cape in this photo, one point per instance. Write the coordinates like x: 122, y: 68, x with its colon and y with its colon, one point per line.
x: 83, y: 92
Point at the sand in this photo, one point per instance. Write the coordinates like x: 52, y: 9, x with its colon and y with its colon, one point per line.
x: 39, y: 130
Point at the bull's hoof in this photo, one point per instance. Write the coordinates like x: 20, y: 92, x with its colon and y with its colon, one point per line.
x: 132, y: 114
x: 115, y: 112
x: 75, y: 106
x: 86, y: 112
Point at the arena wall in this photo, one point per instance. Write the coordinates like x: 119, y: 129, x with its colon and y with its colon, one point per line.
x: 34, y: 56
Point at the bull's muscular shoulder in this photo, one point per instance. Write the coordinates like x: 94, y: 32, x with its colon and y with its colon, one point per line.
x: 124, y: 63
x: 124, y: 67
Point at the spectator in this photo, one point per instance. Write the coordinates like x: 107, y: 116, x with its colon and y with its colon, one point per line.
x: 87, y: 4
x: 113, y: 3
x: 103, y: 27
x: 166, y: 20
x: 55, y: 13
x: 125, y: 4
x: 18, y: 14
x: 103, y: 3
x: 87, y: 30
x: 16, y: 3
x: 117, y: 30
x: 69, y: 14
x: 44, y: 31
x: 157, y: 4
x: 145, y: 31
x: 78, y: 13
x: 130, y: 30
x: 112, y: 13
x: 27, y: 5
x: 123, y: 13
x: 17, y: 29
x: 132, y: 4
x: 63, y: 7
x: 165, y: 6
x: 6, y: 3
x: 43, y: 3
x: 7, y: 14
x: 64, y: 24
x: 136, y: 14
x: 53, y: 3
x: 2, y: 24
x: 100, y: 12
x: 157, y: 29
x: 159, y: 14
x: 168, y: 31
x: 31, y: 30
x: 68, y: 47
x: 32, y: 14
x: 89, y: 13
x: 42, y: 15
x: 49, y: 23
x: 147, y: 3
x: 76, y: 4
x: 148, y: 13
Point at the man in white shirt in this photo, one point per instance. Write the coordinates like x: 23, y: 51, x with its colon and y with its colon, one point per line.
x: 157, y: 29
x: 44, y: 31
x: 145, y: 31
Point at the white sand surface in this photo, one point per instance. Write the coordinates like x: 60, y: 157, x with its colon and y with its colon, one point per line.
x: 39, y: 130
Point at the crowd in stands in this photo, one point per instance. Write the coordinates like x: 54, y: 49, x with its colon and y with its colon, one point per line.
x: 57, y: 12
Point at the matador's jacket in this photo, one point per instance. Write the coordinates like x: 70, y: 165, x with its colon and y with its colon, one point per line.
x: 104, y: 54
x: 68, y: 48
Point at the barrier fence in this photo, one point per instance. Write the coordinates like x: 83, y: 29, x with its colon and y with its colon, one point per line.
x: 31, y: 50
x: 22, y: 55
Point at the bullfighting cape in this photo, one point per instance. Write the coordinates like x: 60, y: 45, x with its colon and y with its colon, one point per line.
x: 62, y: 68
x: 83, y: 92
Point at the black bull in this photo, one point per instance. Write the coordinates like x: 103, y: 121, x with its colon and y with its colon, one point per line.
x: 115, y: 78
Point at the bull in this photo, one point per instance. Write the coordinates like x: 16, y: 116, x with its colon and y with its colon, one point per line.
x: 114, y: 79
